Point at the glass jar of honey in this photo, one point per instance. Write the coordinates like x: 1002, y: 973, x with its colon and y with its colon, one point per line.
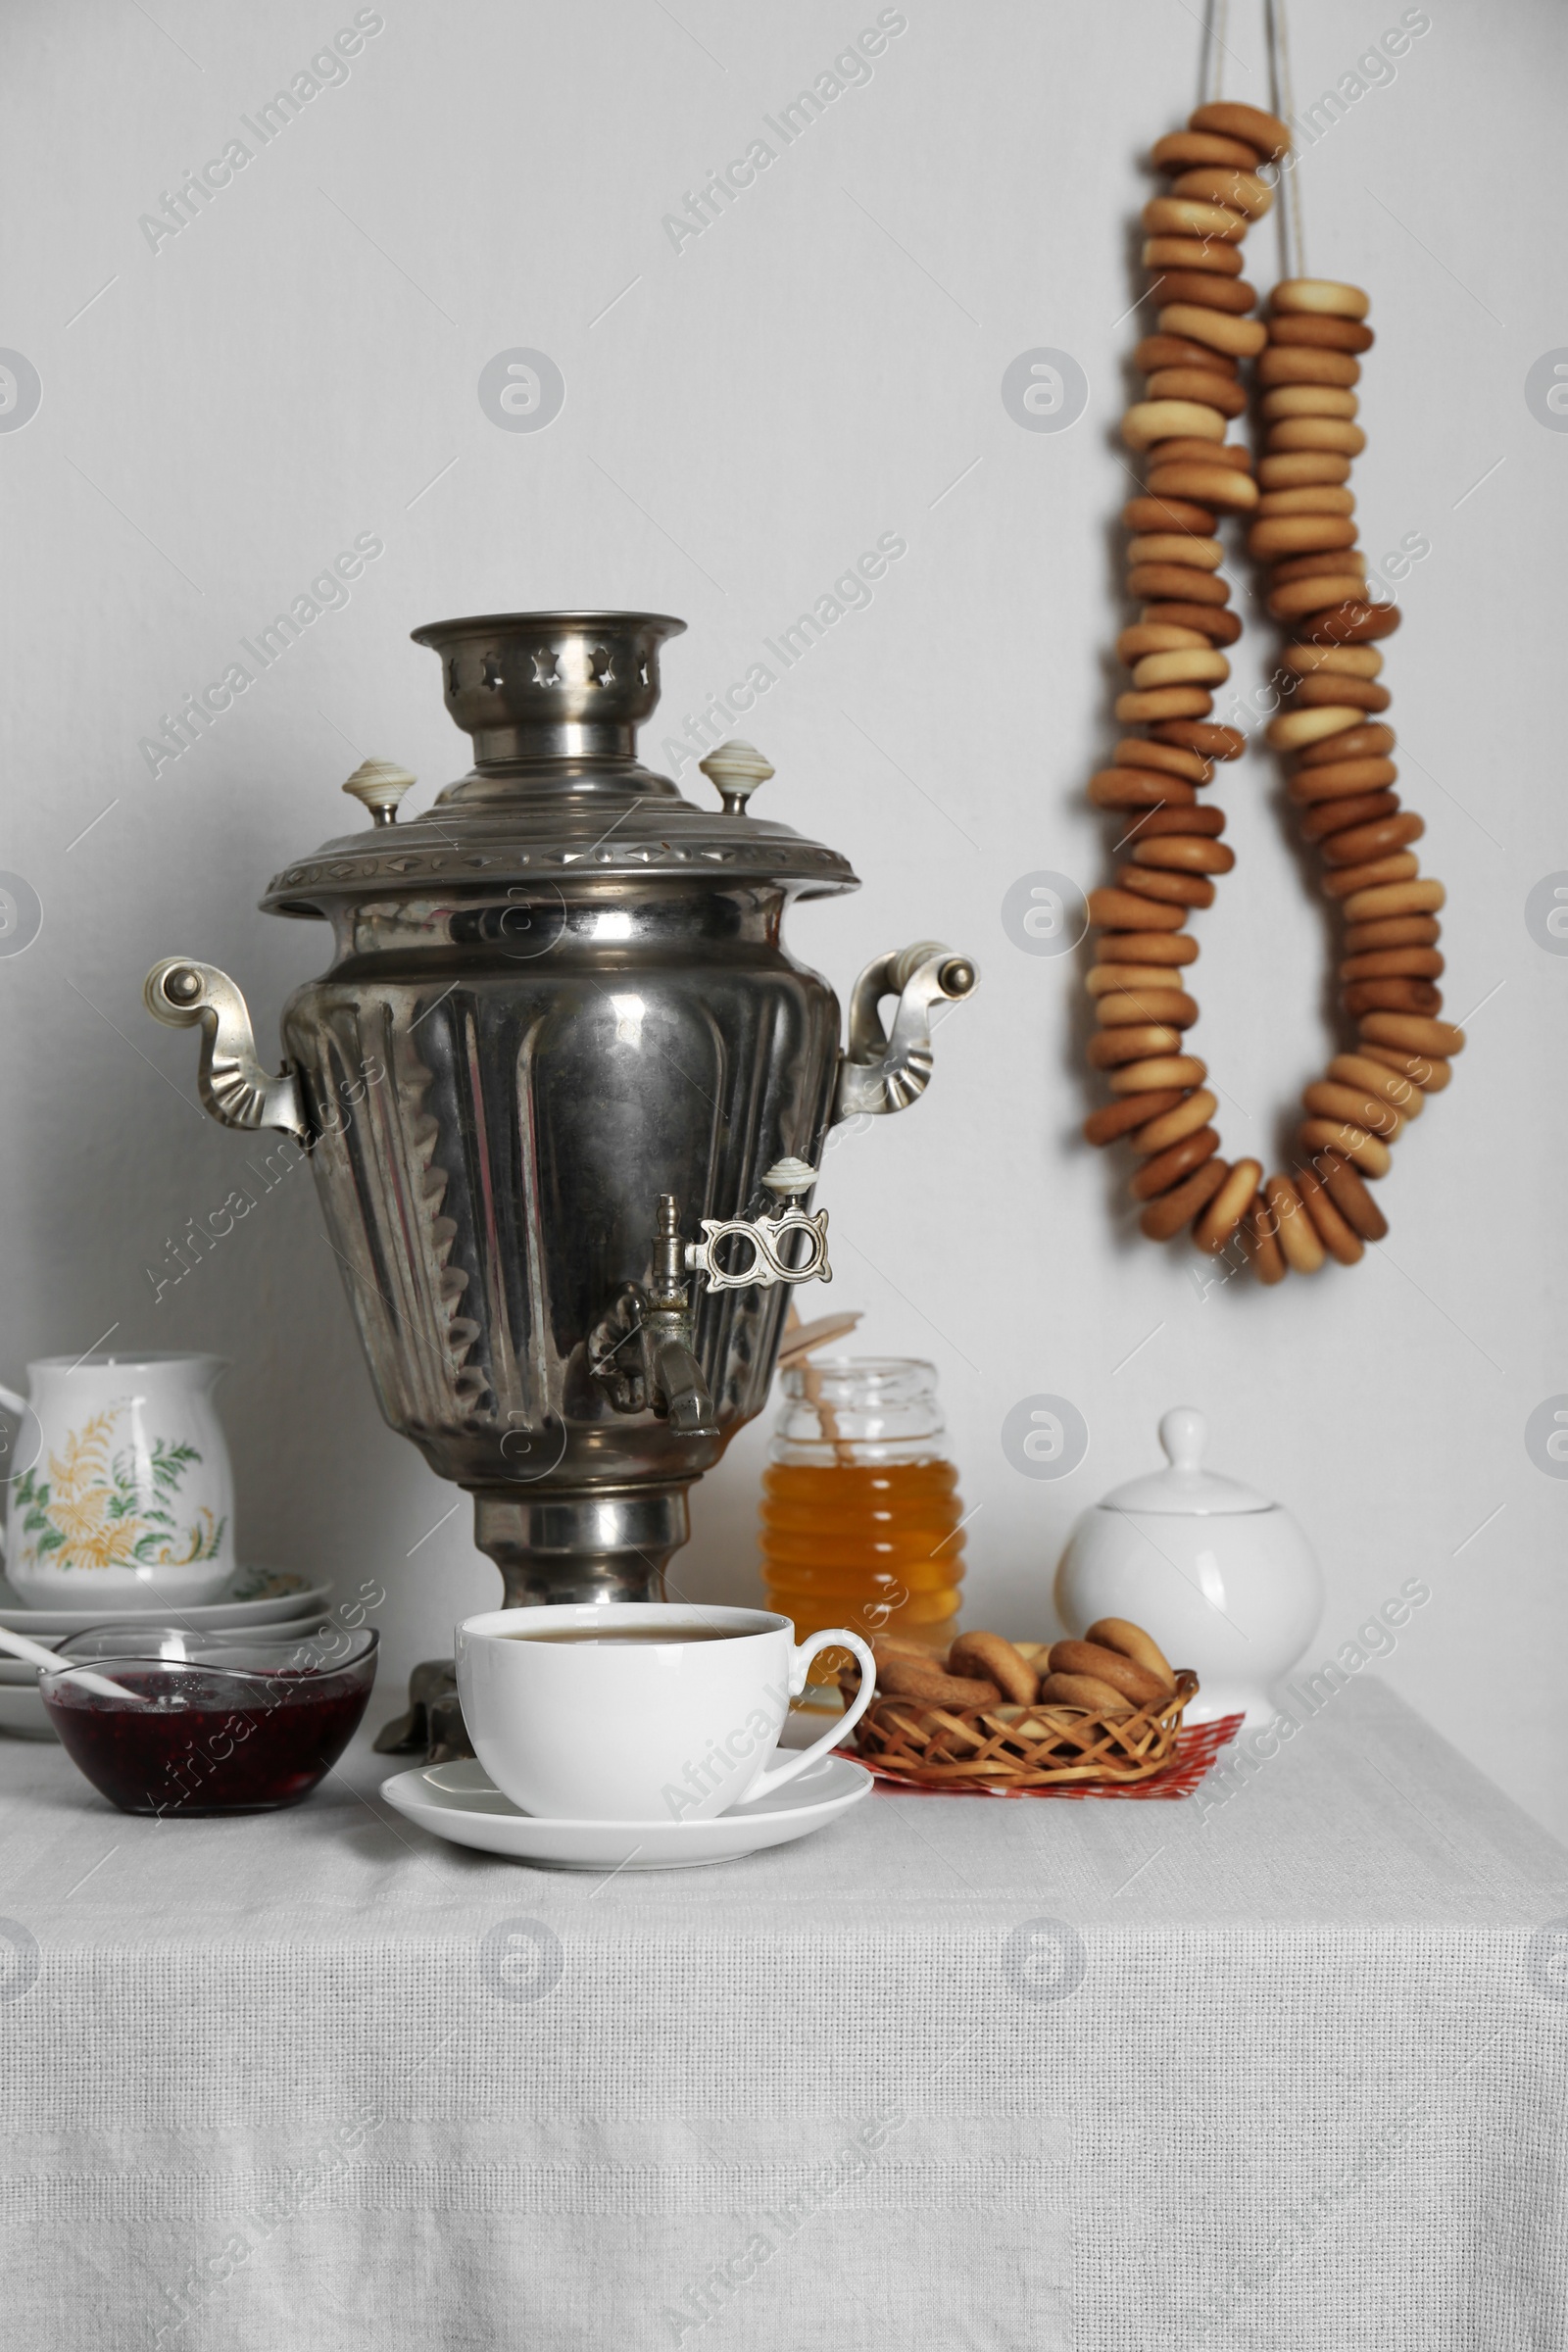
x: 862, y: 1521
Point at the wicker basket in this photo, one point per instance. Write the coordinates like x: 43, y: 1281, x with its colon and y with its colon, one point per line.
x: 1018, y: 1748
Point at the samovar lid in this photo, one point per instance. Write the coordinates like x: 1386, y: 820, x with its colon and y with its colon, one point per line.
x: 553, y: 702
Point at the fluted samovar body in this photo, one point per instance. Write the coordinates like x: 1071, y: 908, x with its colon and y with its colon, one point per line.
x: 492, y: 1201
x: 561, y: 1037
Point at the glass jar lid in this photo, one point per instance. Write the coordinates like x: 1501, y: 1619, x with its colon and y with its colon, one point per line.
x: 858, y: 1407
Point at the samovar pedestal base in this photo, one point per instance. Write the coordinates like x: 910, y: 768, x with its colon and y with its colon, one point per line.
x: 600, y: 1544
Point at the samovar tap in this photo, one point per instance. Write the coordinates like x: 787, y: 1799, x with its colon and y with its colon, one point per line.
x: 643, y: 1352
x: 675, y: 1378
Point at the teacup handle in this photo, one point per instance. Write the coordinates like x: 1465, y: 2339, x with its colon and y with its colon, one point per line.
x: 835, y: 1638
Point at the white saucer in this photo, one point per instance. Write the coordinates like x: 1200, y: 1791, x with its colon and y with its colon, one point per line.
x: 462, y: 1803
x: 252, y: 1596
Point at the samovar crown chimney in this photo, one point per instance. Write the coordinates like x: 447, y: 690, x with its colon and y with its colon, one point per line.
x: 535, y: 688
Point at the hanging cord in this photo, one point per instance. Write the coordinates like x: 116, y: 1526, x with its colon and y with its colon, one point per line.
x: 1209, y: 78
x: 1281, y: 97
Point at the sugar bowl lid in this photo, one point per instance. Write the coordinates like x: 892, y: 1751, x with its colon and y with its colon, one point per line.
x: 1186, y: 1487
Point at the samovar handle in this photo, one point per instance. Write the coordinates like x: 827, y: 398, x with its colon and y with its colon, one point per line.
x: 882, y: 1071
x: 181, y: 992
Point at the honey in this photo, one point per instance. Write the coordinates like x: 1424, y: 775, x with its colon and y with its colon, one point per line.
x: 862, y: 1519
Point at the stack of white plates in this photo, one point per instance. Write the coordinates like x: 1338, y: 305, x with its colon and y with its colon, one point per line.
x: 284, y: 1603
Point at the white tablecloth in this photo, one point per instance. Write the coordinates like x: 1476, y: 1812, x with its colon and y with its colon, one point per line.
x: 1285, y: 2071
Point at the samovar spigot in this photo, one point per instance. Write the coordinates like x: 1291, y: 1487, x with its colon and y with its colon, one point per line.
x: 643, y: 1352
x: 674, y: 1379
x: 669, y: 1269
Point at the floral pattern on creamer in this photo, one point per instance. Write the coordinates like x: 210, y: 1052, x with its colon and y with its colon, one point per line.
x: 92, y: 1511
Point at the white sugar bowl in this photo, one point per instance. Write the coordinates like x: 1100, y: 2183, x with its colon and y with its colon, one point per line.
x: 1223, y: 1579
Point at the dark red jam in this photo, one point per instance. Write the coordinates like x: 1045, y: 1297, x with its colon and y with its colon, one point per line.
x: 206, y: 1742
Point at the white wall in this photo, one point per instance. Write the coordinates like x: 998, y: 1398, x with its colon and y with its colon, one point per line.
x: 817, y: 369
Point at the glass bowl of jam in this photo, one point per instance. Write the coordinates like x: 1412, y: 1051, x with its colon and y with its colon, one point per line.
x: 208, y: 1724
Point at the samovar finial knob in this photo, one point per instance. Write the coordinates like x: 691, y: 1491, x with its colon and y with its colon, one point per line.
x: 380, y: 784
x: 735, y: 770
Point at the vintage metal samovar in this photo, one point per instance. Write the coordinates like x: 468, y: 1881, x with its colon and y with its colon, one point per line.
x: 565, y: 1092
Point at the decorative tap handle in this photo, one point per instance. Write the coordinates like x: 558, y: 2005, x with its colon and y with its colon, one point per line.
x: 882, y: 1072
x: 181, y: 992
x: 735, y: 770
x: 788, y: 1180
x: 380, y: 784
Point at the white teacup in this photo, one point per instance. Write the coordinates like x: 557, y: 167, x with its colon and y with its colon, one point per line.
x: 644, y: 1729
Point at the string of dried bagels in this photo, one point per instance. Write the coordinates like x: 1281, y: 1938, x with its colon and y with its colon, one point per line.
x: 1300, y: 531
